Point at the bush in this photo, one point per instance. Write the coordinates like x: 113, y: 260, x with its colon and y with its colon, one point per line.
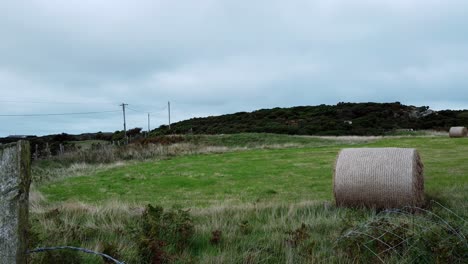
x: 164, y: 235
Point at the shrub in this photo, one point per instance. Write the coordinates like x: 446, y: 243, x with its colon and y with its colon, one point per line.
x: 164, y: 235
x: 216, y: 237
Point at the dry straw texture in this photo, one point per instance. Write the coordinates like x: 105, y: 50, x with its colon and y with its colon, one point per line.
x: 458, y: 132
x: 378, y: 177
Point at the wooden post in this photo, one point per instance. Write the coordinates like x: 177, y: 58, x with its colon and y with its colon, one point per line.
x: 15, y: 178
x: 36, y: 153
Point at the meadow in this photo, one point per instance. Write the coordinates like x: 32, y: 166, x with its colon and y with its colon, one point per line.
x: 245, y: 198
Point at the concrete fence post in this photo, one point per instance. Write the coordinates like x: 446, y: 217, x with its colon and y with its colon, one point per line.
x: 47, y: 152
x: 15, y: 178
x: 62, y: 149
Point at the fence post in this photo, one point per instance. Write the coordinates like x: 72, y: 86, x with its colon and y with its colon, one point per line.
x: 47, y: 150
x: 15, y: 178
x: 61, y: 149
x: 36, y: 153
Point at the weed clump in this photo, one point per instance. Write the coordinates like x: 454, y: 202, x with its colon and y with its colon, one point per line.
x: 297, y: 236
x: 216, y: 237
x: 245, y: 227
x: 164, y: 234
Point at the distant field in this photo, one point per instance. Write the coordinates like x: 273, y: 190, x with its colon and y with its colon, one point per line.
x: 292, y: 174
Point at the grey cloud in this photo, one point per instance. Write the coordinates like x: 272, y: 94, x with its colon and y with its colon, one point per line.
x: 212, y: 57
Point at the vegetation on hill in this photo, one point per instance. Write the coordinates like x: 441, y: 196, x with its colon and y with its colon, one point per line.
x: 340, y: 119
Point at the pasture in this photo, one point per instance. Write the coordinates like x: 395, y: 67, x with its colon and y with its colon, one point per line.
x: 281, y: 175
x: 269, y: 196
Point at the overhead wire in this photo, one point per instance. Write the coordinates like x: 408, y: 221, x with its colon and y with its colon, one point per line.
x: 156, y: 112
x: 59, y: 114
x: 151, y: 112
x: 49, y: 102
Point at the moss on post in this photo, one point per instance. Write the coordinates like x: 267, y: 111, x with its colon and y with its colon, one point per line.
x: 15, y: 178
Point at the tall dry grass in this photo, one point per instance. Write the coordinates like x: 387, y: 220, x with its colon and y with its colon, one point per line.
x: 306, y: 232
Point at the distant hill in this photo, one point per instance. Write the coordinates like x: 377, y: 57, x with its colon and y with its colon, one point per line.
x: 340, y: 119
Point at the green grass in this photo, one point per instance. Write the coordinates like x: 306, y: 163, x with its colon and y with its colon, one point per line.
x: 272, y: 205
x: 287, y: 175
x: 251, y: 140
x: 244, y: 176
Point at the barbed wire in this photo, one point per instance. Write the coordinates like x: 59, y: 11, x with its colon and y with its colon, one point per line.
x: 38, y: 250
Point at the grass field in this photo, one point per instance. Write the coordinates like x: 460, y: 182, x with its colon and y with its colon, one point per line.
x: 288, y: 175
x: 262, y: 199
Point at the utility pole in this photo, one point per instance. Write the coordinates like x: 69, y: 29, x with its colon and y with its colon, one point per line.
x: 169, y: 111
x: 148, y: 123
x: 125, y: 125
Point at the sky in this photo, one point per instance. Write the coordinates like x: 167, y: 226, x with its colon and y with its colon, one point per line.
x: 211, y: 57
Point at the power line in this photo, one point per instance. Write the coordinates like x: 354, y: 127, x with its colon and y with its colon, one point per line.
x: 49, y: 102
x: 136, y: 110
x: 141, y: 111
x: 147, y: 106
x: 59, y: 114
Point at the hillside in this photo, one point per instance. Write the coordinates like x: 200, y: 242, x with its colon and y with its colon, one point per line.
x: 340, y: 119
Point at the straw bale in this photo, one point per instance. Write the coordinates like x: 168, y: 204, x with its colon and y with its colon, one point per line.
x: 458, y: 132
x: 379, y: 178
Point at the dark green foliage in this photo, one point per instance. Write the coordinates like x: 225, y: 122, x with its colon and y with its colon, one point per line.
x: 118, y: 135
x: 366, y: 119
x: 134, y: 131
x: 162, y: 140
x: 62, y: 137
x: 164, y: 234
x: 216, y: 237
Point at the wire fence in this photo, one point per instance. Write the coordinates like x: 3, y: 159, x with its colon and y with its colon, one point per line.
x: 395, y: 233
x: 10, y: 258
x: 403, y: 232
x: 38, y: 250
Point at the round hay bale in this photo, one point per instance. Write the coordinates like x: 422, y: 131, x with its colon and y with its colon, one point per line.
x: 458, y: 132
x: 378, y: 178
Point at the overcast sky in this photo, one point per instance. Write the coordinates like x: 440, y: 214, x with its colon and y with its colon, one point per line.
x: 211, y: 57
